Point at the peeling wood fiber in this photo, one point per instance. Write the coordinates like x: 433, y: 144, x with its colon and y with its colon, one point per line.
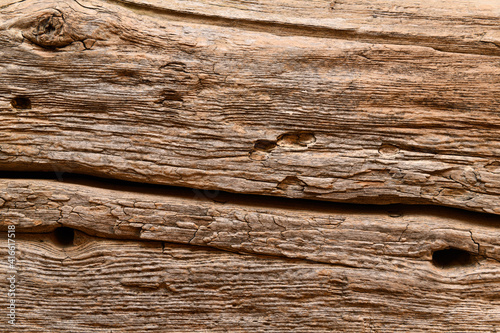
x: 397, y: 238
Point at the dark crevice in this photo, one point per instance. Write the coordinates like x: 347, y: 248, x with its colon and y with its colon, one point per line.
x: 21, y: 102
x: 64, y: 236
x: 453, y: 258
x: 263, y: 201
x: 264, y: 145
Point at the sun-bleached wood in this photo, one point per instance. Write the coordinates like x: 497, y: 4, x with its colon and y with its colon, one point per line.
x: 122, y: 90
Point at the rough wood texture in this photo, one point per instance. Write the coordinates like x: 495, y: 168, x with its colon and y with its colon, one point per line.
x: 352, y: 101
x: 238, y: 99
x: 102, y: 285
x: 329, y: 267
x: 463, y: 26
x: 338, y: 234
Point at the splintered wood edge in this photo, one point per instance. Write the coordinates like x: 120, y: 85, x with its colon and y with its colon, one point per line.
x: 351, y: 236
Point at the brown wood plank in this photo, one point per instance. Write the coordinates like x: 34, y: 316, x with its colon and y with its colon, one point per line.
x: 463, y: 26
x: 110, y: 91
x: 391, y: 238
x: 353, y: 101
x: 101, y: 285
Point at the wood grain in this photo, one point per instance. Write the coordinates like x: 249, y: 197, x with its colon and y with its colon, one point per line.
x: 383, y: 102
x: 392, y: 238
x: 105, y: 90
x: 463, y: 26
x: 101, y: 285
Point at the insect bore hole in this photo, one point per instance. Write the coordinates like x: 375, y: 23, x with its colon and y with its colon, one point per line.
x: 64, y: 236
x: 264, y: 145
x: 21, y: 102
x: 452, y: 257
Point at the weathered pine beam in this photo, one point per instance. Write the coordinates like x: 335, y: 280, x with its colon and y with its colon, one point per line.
x: 103, y: 89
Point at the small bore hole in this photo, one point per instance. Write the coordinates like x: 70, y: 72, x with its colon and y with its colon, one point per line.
x: 21, y: 102
x: 264, y: 145
x: 449, y: 258
x: 64, y: 236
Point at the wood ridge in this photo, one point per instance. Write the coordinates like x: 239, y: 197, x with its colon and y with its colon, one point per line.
x: 304, y: 30
x: 299, y: 229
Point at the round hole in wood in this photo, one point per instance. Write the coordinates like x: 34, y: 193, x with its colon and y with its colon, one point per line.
x: 64, y: 236
x: 21, y: 102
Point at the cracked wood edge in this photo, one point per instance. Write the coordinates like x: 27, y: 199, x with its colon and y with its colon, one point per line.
x: 464, y: 26
x: 112, y: 92
x: 129, y: 286
x: 352, y: 236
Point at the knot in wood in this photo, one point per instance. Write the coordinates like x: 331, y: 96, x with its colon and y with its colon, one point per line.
x: 50, y: 30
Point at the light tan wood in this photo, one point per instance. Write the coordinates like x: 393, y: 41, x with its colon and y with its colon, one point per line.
x: 462, y: 26
x: 118, y: 93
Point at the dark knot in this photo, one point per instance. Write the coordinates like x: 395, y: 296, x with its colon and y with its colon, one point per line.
x: 50, y: 31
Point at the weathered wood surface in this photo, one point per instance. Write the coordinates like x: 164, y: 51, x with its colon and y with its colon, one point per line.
x: 351, y: 101
x: 463, y: 26
x: 119, y: 89
x: 303, y: 266
x: 168, y: 288
x: 363, y: 237
x: 102, y: 285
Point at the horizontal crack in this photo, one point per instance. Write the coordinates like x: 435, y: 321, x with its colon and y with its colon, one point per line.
x: 243, y: 199
x: 248, y: 224
x: 218, y: 196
